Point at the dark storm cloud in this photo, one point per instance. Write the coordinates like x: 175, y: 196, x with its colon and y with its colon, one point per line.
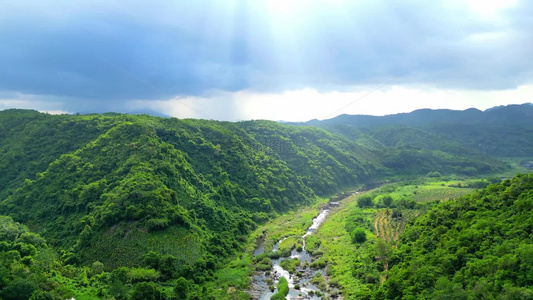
x: 121, y: 50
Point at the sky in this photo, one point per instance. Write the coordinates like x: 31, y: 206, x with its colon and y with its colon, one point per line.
x: 290, y: 60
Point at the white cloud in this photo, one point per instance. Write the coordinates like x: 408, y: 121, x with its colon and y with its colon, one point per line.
x: 306, y: 104
x: 56, y: 112
x: 490, y: 7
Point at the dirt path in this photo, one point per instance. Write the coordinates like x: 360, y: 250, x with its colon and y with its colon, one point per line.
x: 376, y: 222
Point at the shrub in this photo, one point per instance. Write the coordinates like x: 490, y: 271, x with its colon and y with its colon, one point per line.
x: 19, y: 289
x: 365, y: 201
x: 434, y: 174
x: 147, y: 291
x: 387, y: 200
x: 181, y: 288
x: 283, y: 289
x: 359, y: 235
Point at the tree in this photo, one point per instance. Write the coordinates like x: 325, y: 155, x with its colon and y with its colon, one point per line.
x: 147, y: 291
x: 118, y: 290
x: 19, y: 289
x: 181, y: 289
x: 383, y: 252
x: 387, y: 200
x: 97, y: 267
x: 365, y: 201
x: 359, y: 235
x: 434, y: 174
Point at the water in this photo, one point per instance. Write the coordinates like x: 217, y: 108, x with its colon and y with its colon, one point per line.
x: 260, y: 288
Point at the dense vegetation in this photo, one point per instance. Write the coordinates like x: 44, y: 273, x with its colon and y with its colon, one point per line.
x: 478, y: 246
x: 26, y: 265
x: 123, y: 207
x: 505, y: 131
x: 172, y: 195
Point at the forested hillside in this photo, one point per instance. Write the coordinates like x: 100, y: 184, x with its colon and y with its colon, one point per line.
x: 79, y: 179
x: 504, y: 131
x: 168, y: 198
x: 479, y: 246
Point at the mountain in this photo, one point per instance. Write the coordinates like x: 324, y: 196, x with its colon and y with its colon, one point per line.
x: 96, y: 185
x: 476, y: 247
x: 500, y: 132
x: 146, y: 197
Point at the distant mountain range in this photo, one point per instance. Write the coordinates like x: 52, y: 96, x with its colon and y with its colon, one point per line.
x: 510, y: 114
x: 498, y: 131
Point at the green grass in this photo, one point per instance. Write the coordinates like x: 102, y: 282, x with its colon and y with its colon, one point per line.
x: 426, y: 191
x: 289, y: 243
x: 337, y: 246
x: 290, y: 224
x: 232, y: 281
x: 290, y: 265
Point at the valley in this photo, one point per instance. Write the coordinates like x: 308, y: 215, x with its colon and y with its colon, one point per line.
x: 112, y: 206
x: 266, y: 150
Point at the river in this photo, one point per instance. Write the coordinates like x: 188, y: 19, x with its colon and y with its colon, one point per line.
x: 260, y: 289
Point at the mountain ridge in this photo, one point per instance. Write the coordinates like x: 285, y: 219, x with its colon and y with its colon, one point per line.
x: 182, y: 196
x: 501, y: 131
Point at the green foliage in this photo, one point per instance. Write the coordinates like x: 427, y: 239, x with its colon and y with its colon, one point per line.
x: 319, y: 281
x: 133, y: 202
x: 502, y: 132
x: 477, y: 246
x: 387, y: 200
x: 312, y: 243
x: 288, y: 244
x: 283, y: 289
x: 19, y: 289
x: 434, y: 174
x: 147, y: 291
x: 290, y: 264
x: 181, y: 288
x: 358, y: 235
x: 319, y: 263
x: 264, y: 265
x: 140, y: 274
x: 365, y: 201
x: 29, y: 268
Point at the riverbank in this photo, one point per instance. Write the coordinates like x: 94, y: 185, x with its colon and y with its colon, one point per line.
x: 296, y: 268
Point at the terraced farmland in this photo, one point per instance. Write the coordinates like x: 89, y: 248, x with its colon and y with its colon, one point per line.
x: 388, y: 227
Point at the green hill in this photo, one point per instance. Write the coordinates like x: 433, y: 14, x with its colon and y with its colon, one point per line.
x: 180, y: 197
x: 476, y: 247
x: 505, y: 131
x: 111, y: 188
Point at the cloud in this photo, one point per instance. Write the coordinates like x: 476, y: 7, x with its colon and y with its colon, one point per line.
x: 92, y: 56
x: 307, y: 104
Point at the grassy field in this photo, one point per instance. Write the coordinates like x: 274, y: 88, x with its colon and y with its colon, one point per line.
x: 427, y: 190
x: 338, y: 250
